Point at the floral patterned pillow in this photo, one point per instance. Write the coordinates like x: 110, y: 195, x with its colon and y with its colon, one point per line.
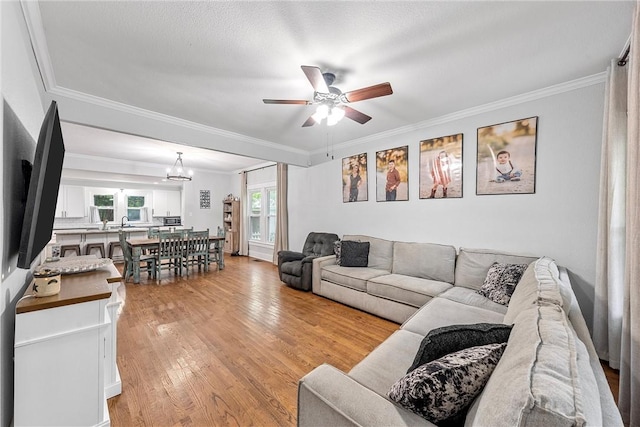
x: 443, y: 388
x: 337, y: 249
x: 501, y: 280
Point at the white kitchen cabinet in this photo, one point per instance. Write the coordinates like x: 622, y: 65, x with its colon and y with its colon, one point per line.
x: 63, y: 344
x: 71, y: 202
x: 167, y: 203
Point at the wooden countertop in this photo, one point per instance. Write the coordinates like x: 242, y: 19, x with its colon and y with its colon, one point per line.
x: 74, y: 289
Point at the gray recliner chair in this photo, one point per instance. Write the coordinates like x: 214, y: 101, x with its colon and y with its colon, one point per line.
x: 295, y: 268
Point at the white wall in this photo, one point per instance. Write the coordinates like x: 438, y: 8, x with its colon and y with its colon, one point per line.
x: 22, y: 115
x: 219, y: 185
x: 558, y: 221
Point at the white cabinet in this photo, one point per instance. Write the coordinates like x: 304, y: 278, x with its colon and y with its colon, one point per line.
x: 62, y: 345
x: 166, y: 203
x: 71, y: 202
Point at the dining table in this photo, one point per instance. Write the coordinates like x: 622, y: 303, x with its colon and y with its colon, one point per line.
x: 138, y: 245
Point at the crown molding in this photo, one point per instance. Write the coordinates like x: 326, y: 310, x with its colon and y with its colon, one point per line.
x: 129, y: 109
x: 33, y: 19
x: 473, y: 111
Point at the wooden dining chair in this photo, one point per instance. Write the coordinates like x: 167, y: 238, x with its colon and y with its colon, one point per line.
x: 146, y: 261
x: 197, y: 250
x: 170, y: 254
x: 215, y: 248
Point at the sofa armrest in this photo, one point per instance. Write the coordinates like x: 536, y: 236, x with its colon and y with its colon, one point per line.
x: 328, y: 396
x: 316, y: 276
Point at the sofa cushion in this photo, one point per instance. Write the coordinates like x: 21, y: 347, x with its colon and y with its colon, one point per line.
x: 444, y: 387
x: 380, y: 251
x: 501, y: 281
x: 424, y: 260
x: 470, y: 297
x: 354, y: 254
x: 452, y: 338
x: 387, y: 362
x: 440, y: 312
x: 406, y: 289
x: 352, y: 277
x: 540, y: 282
x: 472, y: 265
x: 538, y: 372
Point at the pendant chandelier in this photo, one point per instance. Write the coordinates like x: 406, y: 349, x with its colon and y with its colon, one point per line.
x: 177, y: 173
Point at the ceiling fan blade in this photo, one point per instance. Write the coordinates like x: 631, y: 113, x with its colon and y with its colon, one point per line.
x: 310, y: 122
x: 356, y: 115
x: 382, y: 89
x: 286, y: 101
x: 315, y: 78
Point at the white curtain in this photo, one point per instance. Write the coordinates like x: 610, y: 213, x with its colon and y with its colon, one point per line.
x: 617, y: 302
x: 244, y: 241
x: 282, y: 219
x: 608, y: 303
x: 629, y: 402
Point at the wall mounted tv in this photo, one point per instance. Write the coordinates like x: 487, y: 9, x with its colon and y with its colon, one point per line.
x: 44, y: 184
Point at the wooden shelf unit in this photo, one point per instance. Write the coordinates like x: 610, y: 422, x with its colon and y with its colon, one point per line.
x: 231, y: 221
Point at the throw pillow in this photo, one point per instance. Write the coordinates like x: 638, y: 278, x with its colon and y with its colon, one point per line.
x: 354, y: 254
x: 501, y: 280
x: 443, y: 388
x: 337, y: 248
x: 449, y: 339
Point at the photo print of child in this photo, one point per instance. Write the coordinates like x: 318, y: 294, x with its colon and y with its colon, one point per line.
x: 392, y: 174
x: 441, y: 167
x: 354, y: 178
x: 506, y: 162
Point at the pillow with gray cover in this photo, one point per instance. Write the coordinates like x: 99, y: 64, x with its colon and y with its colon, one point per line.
x: 452, y: 338
x: 354, y: 254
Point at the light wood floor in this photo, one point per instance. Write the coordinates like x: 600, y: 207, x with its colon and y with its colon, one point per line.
x: 228, y: 347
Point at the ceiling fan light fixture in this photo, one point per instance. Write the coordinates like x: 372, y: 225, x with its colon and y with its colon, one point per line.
x: 321, y: 113
x: 335, y: 116
x: 176, y: 173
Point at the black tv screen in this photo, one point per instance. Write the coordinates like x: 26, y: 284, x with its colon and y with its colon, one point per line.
x: 44, y: 184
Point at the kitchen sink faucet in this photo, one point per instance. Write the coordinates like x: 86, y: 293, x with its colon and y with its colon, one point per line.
x: 122, y: 221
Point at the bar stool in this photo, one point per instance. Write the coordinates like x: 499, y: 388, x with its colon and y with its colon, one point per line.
x: 65, y: 248
x: 91, y: 246
x: 112, y: 246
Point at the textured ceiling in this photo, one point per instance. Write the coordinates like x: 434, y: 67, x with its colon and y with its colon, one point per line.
x: 212, y: 63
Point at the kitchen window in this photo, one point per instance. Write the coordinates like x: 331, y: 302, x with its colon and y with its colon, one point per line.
x: 262, y: 214
x: 135, y: 208
x: 105, y: 205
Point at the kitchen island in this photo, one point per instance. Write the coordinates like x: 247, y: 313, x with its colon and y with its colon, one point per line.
x: 84, y: 236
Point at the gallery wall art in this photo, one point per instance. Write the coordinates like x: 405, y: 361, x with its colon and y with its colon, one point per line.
x: 392, y: 174
x: 354, y: 178
x: 506, y: 159
x: 441, y: 167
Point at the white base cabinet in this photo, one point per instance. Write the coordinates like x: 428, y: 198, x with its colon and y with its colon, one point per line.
x: 65, y: 354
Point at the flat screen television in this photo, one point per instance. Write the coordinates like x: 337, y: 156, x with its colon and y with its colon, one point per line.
x: 44, y: 183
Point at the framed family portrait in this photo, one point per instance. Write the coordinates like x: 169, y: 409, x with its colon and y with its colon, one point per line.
x: 441, y: 167
x: 506, y: 160
x: 392, y: 174
x: 354, y: 178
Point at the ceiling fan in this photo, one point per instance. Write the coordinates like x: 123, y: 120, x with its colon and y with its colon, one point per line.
x: 331, y: 100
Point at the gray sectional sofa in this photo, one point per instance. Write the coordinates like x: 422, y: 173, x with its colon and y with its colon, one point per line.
x: 549, y: 373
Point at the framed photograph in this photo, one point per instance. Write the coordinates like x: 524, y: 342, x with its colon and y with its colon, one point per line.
x: 506, y: 162
x: 441, y: 167
x: 354, y: 179
x: 392, y: 174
